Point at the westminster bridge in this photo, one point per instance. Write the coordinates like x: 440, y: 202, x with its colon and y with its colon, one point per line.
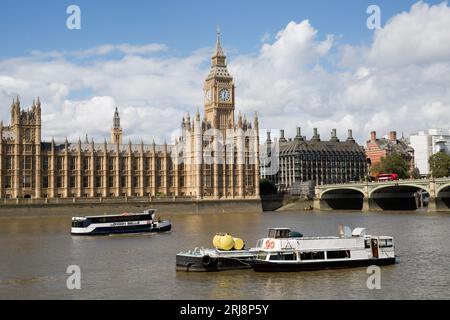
x: 386, y: 195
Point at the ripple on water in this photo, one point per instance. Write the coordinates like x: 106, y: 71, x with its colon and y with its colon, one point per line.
x: 143, y: 266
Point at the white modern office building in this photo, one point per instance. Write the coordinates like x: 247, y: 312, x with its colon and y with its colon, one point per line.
x: 427, y: 143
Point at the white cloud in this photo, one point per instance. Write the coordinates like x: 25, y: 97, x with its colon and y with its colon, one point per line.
x: 123, y: 48
x: 265, y: 37
x: 103, y: 50
x: 152, y: 93
x: 418, y: 36
x: 295, y: 46
x: 401, y: 81
x: 94, y: 115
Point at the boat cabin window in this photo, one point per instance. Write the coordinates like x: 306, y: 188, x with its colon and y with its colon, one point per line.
x: 122, y: 218
x: 367, y: 243
x: 283, y: 256
x: 386, y: 243
x: 262, y: 255
x: 279, y: 233
x: 79, y: 223
x: 340, y: 254
x: 317, y: 255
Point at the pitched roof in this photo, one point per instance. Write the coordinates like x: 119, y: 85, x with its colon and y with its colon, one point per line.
x: 294, y: 146
x: 399, y: 146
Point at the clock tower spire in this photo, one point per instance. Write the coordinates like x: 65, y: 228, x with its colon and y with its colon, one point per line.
x: 219, y: 91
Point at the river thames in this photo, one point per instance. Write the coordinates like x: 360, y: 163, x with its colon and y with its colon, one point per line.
x: 36, y: 251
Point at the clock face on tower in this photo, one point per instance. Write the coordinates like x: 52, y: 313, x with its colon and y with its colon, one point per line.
x: 224, y: 95
x: 208, y: 95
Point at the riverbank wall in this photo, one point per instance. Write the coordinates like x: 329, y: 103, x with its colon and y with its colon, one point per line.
x: 168, y: 205
x: 282, y: 202
x: 56, y: 207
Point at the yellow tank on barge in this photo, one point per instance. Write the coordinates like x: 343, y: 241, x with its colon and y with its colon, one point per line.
x: 226, y: 242
x: 228, y: 253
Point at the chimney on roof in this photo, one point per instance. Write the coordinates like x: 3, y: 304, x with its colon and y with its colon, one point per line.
x: 282, y: 138
x: 393, y: 136
x: 373, y: 136
x: 299, y: 134
x: 350, y: 136
x: 316, y: 136
x: 334, y: 137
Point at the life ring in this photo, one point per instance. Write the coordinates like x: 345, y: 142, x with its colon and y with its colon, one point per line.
x: 207, y: 260
x: 270, y: 244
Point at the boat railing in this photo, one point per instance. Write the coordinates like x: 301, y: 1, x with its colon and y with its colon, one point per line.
x: 311, y: 238
x: 196, y: 251
x: 322, y: 238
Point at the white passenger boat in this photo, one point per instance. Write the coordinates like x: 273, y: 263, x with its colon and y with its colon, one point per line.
x: 279, y: 252
x: 119, y: 223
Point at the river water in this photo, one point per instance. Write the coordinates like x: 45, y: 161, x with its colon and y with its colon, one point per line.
x: 36, y: 251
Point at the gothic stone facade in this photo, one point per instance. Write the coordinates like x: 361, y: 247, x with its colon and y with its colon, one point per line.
x: 215, y: 157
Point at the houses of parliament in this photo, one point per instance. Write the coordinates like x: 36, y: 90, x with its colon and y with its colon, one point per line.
x: 215, y: 157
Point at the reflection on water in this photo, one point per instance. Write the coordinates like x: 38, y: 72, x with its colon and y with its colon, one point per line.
x: 35, y: 253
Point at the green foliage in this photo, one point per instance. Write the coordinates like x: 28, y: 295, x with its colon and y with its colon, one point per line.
x: 393, y: 163
x: 415, y: 174
x: 440, y: 165
x: 267, y: 187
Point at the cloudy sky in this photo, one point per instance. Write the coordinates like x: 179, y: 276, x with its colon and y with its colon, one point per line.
x: 298, y: 63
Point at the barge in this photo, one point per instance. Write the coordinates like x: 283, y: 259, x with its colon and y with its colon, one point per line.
x: 207, y: 259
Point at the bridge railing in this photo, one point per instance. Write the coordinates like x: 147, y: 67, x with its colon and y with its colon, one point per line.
x: 399, y: 181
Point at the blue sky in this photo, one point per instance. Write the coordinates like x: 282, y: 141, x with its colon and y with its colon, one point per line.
x: 182, y: 25
x: 319, y: 66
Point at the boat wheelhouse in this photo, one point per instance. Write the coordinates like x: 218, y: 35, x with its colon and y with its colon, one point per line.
x: 119, y: 223
x: 282, y: 252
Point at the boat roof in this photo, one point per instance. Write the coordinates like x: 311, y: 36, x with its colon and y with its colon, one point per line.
x: 333, y: 237
x: 150, y: 211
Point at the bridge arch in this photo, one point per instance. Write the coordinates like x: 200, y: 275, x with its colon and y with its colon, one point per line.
x: 397, y: 196
x: 442, y: 188
x: 343, y: 198
x: 443, y: 198
x: 339, y: 189
x: 412, y: 185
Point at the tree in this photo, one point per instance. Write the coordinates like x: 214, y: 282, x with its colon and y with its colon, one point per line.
x: 440, y: 164
x: 393, y: 163
x: 415, y: 174
x: 267, y: 187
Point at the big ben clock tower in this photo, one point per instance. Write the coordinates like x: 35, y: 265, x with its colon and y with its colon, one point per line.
x: 219, y: 92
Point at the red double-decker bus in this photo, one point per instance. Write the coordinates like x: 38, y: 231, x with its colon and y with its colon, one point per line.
x: 387, y: 177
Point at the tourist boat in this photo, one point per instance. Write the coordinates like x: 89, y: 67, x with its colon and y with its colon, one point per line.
x: 119, y: 223
x: 280, y: 252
